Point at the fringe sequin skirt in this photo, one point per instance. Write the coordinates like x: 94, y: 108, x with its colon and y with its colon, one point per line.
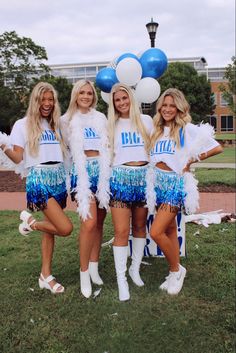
x: 92, y: 168
x: 43, y: 182
x: 128, y: 186
x: 169, y: 188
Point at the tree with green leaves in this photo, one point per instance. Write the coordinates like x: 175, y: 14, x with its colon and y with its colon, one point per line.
x: 229, y: 90
x: 196, y: 88
x: 20, y: 59
x: 11, y: 108
x: 101, y: 106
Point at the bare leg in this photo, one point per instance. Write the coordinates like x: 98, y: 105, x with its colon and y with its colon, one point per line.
x: 47, y: 249
x: 87, y: 236
x: 95, y: 253
x: 164, y: 233
x: 56, y: 221
x: 139, y: 221
x: 121, y: 223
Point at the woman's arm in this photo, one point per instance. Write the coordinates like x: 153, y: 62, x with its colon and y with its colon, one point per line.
x: 216, y: 150
x: 15, y: 154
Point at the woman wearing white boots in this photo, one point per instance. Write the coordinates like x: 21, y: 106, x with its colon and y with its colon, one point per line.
x: 85, y: 132
x: 129, y: 133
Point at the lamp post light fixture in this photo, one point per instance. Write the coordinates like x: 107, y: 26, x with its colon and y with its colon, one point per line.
x: 152, y: 29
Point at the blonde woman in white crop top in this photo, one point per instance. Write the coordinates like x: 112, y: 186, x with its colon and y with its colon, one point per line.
x: 175, y: 145
x: 129, y: 133
x: 36, y: 143
x: 85, y: 131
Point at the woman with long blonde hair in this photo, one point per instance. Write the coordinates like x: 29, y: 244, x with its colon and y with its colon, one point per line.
x: 175, y: 144
x: 129, y: 132
x: 37, y: 143
x: 85, y: 132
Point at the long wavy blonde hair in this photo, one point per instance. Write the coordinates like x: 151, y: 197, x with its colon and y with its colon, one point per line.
x: 34, y: 119
x: 134, y: 115
x: 181, y: 119
x: 73, y: 106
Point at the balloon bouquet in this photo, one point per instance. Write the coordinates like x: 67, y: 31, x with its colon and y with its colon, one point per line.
x: 139, y: 72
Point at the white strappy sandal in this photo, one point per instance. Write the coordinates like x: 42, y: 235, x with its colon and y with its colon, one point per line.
x: 25, y: 226
x: 44, y: 284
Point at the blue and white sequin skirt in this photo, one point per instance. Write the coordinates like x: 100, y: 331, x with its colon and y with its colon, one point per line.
x: 128, y: 185
x: 169, y: 188
x: 43, y: 182
x: 92, y: 168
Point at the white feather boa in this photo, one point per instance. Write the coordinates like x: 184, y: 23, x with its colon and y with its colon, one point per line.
x: 191, y: 202
x: 205, y: 132
x: 150, y: 191
x: 6, y: 162
x: 83, y: 192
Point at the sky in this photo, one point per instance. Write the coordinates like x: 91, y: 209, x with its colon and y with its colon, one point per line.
x: 84, y: 31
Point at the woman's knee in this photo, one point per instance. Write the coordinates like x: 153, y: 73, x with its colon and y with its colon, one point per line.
x: 139, y: 229
x: 156, y: 235
x: 65, y: 230
x: 89, y: 226
x: 122, y: 235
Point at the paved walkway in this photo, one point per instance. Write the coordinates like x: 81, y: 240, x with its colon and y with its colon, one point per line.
x: 208, y: 202
x: 214, y: 165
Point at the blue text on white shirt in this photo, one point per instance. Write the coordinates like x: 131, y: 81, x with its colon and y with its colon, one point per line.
x: 131, y: 139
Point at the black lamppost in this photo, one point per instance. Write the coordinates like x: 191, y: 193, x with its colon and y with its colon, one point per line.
x: 152, y: 29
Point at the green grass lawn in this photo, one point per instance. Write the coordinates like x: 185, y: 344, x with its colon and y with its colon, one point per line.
x: 207, y: 176
x: 225, y: 136
x: 201, y: 319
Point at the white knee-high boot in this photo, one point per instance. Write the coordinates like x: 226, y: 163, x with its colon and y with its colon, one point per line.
x: 138, y: 245
x: 120, y: 259
x: 85, y: 284
x: 93, y: 271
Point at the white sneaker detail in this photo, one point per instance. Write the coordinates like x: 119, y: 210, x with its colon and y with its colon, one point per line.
x: 176, y: 280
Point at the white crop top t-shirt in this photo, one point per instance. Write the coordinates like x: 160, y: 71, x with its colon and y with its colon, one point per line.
x: 90, y: 123
x: 165, y: 149
x: 49, y: 146
x: 128, y: 143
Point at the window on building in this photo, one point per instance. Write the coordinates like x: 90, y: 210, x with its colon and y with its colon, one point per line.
x: 227, y: 123
x: 91, y: 70
x: 79, y: 72
x: 223, y: 102
x: 213, y: 121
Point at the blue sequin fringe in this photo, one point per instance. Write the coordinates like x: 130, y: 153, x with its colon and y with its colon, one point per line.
x: 44, y: 182
x: 128, y: 184
x: 169, y: 188
x: 92, y: 168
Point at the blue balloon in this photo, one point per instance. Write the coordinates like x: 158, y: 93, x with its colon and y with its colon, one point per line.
x: 154, y: 63
x: 106, y: 78
x: 126, y: 55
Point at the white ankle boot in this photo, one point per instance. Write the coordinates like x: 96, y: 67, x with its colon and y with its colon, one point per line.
x: 120, y: 259
x: 85, y: 284
x: 93, y: 271
x: 138, y: 245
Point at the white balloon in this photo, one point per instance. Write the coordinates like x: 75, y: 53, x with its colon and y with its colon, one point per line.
x: 147, y: 90
x: 129, y: 71
x: 105, y: 96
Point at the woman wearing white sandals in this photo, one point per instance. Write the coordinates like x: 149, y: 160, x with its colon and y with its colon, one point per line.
x: 85, y: 132
x: 36, y: 141
x: 130, y: 182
